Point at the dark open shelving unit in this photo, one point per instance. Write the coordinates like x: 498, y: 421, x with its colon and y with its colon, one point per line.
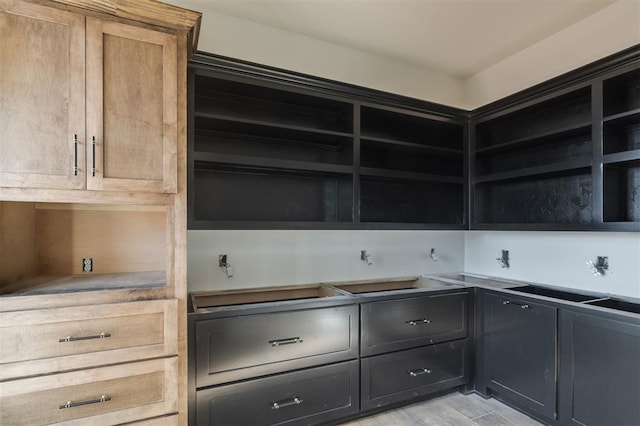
x: 273, y: 149
x: 269, y: 150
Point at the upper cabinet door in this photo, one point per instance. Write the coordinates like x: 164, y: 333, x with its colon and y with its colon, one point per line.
x: 131, y: 108
x: 42, y: 94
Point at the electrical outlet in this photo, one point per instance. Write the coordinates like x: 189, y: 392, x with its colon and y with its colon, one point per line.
x: 87, y: 264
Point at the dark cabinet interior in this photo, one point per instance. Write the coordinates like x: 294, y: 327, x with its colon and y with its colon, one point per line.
x: 272, y: 149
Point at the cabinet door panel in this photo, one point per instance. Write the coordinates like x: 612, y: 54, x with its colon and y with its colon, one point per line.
x: 520, y: 358
x: 391, y: 325
x: 306, y: 397
x: 42, y: 94
x: 131, y: 108
x: 398, y: 376
x: 107, y: 395
x: 600, y: 369
x: 236, y: 348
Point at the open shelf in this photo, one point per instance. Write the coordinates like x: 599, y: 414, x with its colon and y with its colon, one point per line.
x: 622, y: 133
x: 260, y: 162
x: 296, y: 146
x: 43, y: 247
x: 391, y: 126
x: 557, y: 198
x: 227, y: 193
x: 374, y: 154
x: 559, y: 167
x: 621, y: 93
x: 622, y: 191
x: 408, y: 201
x: 561, y: 117
x: 254, y: 102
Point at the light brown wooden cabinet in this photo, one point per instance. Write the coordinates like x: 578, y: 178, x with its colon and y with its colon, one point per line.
x: 116, y: 133
x: 75, y: 72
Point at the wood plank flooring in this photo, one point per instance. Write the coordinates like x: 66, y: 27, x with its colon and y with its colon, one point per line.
x: 454, y: 409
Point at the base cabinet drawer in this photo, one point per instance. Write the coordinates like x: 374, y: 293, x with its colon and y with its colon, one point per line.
x: 241, y: 347
x: 309, y: 396
x: 107, y: 395
x: 85, y: 336
x: 397, y: 376
x: 392, y: 325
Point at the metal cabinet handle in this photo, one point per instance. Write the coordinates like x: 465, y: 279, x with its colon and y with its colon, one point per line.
x: 288, y: 341
x: 93, y: 155
x: 74, y: 339
x: 508, y: 302
x: 75, y: 155
x: 419, y: 321
x: 71, y: 404
x: 419, y: 372
x: 286, y: 403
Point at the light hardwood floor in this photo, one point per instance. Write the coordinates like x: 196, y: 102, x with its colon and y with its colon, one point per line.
x: 454, y: 409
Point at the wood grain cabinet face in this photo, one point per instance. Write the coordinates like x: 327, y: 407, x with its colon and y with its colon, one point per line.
x: 131, y: 108
x: 80, y: 337
x: 42, y: 97
x: 107, y: 395
x: 86, y: 103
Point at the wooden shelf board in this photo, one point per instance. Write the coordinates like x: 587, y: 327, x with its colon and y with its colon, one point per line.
x: 271, y: 124
x: 512, y: 144
x: 275, y: 164
x: 564, y: 166
x: 411, y: 145
x: 396, y: 174
x: 88, y: 282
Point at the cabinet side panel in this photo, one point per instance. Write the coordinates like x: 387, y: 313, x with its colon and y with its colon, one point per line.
x: 17, y: 242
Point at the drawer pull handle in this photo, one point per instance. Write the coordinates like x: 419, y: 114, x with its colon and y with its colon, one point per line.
x: 524, y: 306
x: 74, y: 339
x: 286, y: 403
x: 288, y: 341
x: 419, y: 372
x: 71, y: 404
x: 419, y: 321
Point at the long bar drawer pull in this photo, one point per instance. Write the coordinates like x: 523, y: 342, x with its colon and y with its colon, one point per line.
x: 74, y: 339
x: 419, y: 321
x: 419, y: 372
x: 288, y: 341
x: 524, y: 306
x: 286, y: 403
x: 71, y: 404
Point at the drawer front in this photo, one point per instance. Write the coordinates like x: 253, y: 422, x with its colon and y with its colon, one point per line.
x: 393, y: 325
x: 235, y: 348
x: 304, y: 397
x: 78, y: 337
x: 106, y: 395
x: 394, y: 377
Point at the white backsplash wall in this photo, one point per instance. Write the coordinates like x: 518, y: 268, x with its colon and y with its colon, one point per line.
x: 274, y: 258
x: 559, y: 258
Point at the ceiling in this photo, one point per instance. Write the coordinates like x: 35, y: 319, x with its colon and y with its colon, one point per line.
x: 455, y: 37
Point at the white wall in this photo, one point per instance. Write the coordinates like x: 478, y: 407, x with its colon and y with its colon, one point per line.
x: 610, y: 30
x: 559, y: 258
x: 274, y: 258
x: 242, y: 39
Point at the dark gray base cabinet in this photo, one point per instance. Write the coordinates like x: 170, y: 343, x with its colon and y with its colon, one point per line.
x: 392, y: 325
x: 246, y: 346
x: 311, y: 396
x: 407, y: 374
x: 519, y: 352
x: 600, y: 369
